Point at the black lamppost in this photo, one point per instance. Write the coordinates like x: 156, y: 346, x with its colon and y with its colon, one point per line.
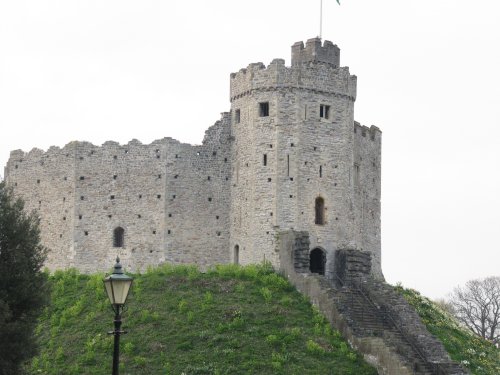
x: 117, y: 286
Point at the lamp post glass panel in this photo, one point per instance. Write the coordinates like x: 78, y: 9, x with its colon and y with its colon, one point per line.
x: 117, y: 287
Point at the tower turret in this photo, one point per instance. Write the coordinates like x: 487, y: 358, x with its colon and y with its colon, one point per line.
x: 314, y: 51
x: 296, y: 159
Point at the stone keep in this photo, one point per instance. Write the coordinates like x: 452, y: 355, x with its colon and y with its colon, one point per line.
x: 288, y: 155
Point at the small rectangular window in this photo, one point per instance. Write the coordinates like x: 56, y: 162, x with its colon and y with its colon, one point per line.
x: 324, y: 111
x: 264, y: 161
x: 118, y: 237
x: 264, y: 109
x: 356, y: 174
x: 237, y: 116
x: 320, y: 211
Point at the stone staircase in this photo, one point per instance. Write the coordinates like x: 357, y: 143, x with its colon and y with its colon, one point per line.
x: 369, y: 320
x: 369, y: 313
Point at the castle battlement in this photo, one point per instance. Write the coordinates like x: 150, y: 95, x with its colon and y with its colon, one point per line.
x: 315, y: 52
x: 83, y: 148
x: 373, y: 132
x: 313, y: 68
x: 18, y: 158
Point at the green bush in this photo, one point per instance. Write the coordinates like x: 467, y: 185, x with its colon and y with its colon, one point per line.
x: 314, y: 348
x: 266, y: 293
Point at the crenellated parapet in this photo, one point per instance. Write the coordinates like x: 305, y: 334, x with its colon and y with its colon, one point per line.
x: 372, y: 133
x: 113, y: 152
x: 313, y: 68
x: 37, y: 160
x: 313, y: 51
x: 72, y: 150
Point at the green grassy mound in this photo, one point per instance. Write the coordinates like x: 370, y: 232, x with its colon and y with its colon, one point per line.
x: 231, y: 320
x: 478, y: 355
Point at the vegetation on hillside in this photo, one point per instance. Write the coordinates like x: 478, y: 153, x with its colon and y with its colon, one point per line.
x: 230, y: 320
x: 478, y: 355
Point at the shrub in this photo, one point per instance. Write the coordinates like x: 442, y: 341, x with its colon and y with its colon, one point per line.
x: 314, y: 348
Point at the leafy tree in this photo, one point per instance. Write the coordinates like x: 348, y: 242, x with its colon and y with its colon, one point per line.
x: 477, y: 306
x: 23, y: 287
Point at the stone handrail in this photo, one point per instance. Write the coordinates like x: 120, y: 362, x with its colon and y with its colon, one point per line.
x: 388, y: 316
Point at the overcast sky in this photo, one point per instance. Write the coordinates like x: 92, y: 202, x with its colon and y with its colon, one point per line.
x: 428, y: 76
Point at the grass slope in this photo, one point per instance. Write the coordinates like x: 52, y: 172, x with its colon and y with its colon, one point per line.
x: 231, y: 320
x: 478, y: 355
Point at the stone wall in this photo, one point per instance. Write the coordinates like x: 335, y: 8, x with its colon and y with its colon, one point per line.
x: 200, y: 210
x: 224, y: 201
x: 367, y: 188
x: 46, y: 182
x: 171, y: 199
x: 119, y: 186
x: 352, y: 266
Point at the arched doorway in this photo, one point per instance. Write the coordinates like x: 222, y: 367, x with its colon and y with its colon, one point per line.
x: 317, y: 260
x: 236, y: 255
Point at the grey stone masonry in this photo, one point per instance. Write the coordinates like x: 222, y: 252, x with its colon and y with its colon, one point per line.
x: 352, y: 266
x: 314, y: 51
x: 171, y: 199
x: 370, y: 314
x: 288, y: 155
x: 296, y: 146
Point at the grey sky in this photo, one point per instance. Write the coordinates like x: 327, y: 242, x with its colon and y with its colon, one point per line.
x: 428, y: 76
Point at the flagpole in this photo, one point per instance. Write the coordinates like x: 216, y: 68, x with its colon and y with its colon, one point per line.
x: 321, y: 19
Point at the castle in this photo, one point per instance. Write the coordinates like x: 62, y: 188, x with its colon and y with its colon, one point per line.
x: 288, y: 155
x: 286, y: 176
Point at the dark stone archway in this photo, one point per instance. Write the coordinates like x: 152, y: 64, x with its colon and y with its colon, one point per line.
x: 317, y: 260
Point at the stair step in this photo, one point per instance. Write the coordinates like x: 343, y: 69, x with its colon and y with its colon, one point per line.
x: 367, y: 319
